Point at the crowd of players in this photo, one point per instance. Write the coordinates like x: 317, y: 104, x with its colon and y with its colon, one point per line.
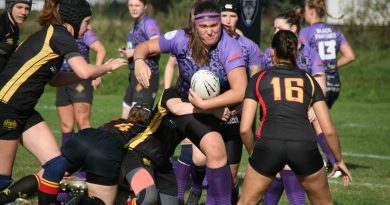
x: 293, y: 83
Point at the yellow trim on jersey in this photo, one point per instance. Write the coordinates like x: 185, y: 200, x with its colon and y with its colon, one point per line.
x: 150, y: 129
x: 312, y: 86
x: 29, y: 68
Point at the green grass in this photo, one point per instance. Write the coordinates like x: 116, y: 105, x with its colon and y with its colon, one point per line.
x: 363, y: 129
x: 361, y: 115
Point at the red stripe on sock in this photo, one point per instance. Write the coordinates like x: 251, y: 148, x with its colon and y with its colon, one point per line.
x: 48, y: 187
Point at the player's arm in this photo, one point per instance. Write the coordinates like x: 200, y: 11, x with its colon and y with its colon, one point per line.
x: 83, y: 70
x: 347, y: 55
x: 169, y: 72
x: 101, y: 52
x: 254, y: 69
x: 246, y: 125
x: 332, y: 139
x: 237, y: 80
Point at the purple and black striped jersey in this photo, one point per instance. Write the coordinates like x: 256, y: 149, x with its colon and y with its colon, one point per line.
x: 141, y: 31
x: 326, y: 40
x: 224, y: 57
x: 83, y: 43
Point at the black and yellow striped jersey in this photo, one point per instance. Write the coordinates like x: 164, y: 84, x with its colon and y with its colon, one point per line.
x: 9, y: 37
x: 33, y: 64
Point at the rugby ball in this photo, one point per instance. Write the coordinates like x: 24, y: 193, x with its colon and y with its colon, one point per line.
x: 205, y: 84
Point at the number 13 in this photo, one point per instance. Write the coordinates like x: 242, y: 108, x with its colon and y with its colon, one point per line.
x: 289, y: 89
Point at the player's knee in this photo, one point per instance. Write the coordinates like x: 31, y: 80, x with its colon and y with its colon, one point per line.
x: 5, y: 181
x: 55, y: 168
x: 148, y: 196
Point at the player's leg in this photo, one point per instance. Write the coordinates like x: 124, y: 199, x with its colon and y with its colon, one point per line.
x: 166, y: 184
x: 183, y: 167
x: 305, y: 160
x: 294, y: 190
x: 254, y: 187
x: 274, y: 192
x: 65, y: 112
x: 40, y: 141
x: 317, y: 187
x: 8, y: 150
x: 82, y: 103
x: 198, y: 173
x: 103, y: 192
x: 140, y: 177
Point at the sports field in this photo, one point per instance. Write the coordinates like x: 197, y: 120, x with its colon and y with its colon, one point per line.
x: 361, y: 116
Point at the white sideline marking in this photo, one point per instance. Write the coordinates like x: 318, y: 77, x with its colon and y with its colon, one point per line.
x: 370, y: 185
x: 338, y: 181
x: 373, y: 156
x: 357, y: 125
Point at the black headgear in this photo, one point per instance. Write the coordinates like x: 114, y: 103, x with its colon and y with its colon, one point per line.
x: 11, y: 3
x: 230, y: 5
x: 73, y: 12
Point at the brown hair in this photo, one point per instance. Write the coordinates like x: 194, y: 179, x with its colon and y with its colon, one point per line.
x: 285, y: 45
x: 292, y: 17
x: 50, y: 13
x: 319, y: 6
x: 199, y: 53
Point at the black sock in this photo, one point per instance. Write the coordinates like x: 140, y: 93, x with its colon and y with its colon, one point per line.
x: 24, y: 187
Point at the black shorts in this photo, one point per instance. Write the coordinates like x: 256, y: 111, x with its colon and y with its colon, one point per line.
x: 196, y: 126
x: 75, y: 93
x: 13, y: 123
x: 135, y: 93
x: 271, y: 155
x: 233, y: 143
x: 333, y: 87
x: 163, y: 176
x: 98, y: 152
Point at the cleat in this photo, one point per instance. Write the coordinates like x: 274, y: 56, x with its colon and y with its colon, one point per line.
x: 21, y: 201
x: 193, y: 198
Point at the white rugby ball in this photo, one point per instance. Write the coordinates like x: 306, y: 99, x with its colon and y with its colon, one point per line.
x: 205, y: 84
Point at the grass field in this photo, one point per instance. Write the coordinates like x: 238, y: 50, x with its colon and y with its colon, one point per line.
x: 361, y: 116
x: 363, y: 128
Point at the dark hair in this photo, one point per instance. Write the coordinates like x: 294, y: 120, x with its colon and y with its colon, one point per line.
x: 145, y: 2
x: 285, y: 46
x: 319, y: 6
x: 199, y: 53
x: 50, y: 14
x: 230, y: 5
x: 293, y: 17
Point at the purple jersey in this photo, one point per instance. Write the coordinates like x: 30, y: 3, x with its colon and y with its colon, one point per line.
x: 224, y: 57
x: 250, y: 51
x: 326, y: 40
x: 141, y: 31
x: 83, y: 43
x: 307, y: 60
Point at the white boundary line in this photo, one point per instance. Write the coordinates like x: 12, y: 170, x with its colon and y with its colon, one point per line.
x: 338, y: 182
x: 372, y: 156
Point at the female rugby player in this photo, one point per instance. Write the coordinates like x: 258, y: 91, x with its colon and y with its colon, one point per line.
x: 36, y: 63
x: 285, y: 135
x: 207, y: 47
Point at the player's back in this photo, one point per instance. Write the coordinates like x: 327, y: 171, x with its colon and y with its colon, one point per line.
x: 285, y: 94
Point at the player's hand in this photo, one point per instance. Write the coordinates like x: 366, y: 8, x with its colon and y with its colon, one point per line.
x: 195, y: 100
x: 96, y: 83
x: 340, y: 166
x: 223, y: 114
x: 311, y: 115
x: 142, y: 72
x: 116, y: 63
